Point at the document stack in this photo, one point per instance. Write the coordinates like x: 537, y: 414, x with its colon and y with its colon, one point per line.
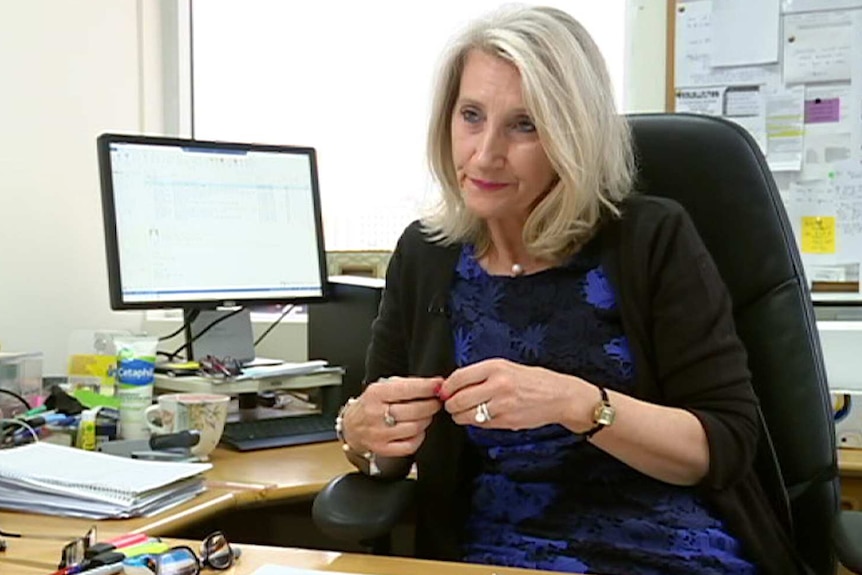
x: 56, y: 480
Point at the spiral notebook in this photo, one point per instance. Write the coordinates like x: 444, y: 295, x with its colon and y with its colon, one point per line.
x: 47, y: 478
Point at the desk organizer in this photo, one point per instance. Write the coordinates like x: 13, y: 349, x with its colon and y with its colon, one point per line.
x: 20, y: 373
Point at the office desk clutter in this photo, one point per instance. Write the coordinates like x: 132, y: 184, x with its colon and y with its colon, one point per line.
x: 204, y: 413
x: 133, y: 553
x: 20, y: 381
x: 58, y: 420
x: 56, y: 480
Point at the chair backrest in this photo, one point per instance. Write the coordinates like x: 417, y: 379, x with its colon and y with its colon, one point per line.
x: 717, y: 172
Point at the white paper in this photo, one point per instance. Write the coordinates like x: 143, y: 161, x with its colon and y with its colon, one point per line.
x: 818, y: 47
x: 785, y: 129
x: 806, y: 200
x: 708, y: 101
x: 833, y: 273
x: 822, y: 152
x: 692, y: 66
x: 756, y: 126
x: 855, y: 107
x: 839, y: 196
x: 790, y: 6
x: 746, y: 106
x: 743, y: 101
x: 744, y: 32
x: 847, y: 181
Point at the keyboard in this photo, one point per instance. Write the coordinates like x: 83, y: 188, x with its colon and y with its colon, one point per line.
x: 278, y: 432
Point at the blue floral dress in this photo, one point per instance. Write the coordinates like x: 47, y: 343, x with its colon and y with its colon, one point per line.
x: 546, y: 498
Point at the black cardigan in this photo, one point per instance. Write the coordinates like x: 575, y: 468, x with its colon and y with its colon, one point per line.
x: 677, y: 316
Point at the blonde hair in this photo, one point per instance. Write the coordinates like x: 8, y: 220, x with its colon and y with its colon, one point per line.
x: 568, y: 93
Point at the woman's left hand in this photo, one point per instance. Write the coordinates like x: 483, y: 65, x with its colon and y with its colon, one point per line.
x: 517, y: 396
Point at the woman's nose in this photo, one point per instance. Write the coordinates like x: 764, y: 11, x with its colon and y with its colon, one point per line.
x: 491, y: 148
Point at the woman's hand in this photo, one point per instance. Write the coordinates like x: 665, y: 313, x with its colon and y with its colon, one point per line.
x: 518, y: 396
x: 666, y: 443
x: 391, y: 416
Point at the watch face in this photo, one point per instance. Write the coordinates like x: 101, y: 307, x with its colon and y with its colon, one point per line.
x: 604, y: 414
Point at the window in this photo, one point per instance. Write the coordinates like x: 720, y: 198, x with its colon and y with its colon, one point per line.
x: 352, y: 79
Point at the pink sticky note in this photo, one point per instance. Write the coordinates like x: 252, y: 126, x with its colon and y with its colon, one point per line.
x: 822, y: 110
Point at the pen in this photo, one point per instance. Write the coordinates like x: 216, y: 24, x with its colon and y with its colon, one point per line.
x: 36, y: 411
x: 104, y: 570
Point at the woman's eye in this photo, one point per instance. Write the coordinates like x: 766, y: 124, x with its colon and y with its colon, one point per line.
x: 524, y: 125
x: 470, y: 116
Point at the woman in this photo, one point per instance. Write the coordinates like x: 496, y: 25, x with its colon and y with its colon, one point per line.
x: 556, y: 423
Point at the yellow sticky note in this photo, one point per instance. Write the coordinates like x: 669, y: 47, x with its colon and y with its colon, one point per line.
x: 818, y: 234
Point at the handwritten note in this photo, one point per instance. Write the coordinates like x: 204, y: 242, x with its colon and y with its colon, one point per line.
x: 818, y: 46
x: 818, y: 234
x: 693, y: 66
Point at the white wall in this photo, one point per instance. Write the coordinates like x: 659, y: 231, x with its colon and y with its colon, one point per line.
x: 70, y: 70
x: 74, y: 69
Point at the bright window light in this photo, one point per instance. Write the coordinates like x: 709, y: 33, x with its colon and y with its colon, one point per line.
x: 353, y: 80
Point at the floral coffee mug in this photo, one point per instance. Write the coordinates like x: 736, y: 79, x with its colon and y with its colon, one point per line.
x: 204, y: 412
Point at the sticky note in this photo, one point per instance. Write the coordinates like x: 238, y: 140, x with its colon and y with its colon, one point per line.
x: 819, y: 111
x: 818, y: 234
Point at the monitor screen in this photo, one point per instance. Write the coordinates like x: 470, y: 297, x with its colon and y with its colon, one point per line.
x: 199, y: 224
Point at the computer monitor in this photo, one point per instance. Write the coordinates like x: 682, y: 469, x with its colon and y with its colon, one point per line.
x: 195, y: 224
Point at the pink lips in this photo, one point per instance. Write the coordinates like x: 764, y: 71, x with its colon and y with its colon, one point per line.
x: 488, y: 186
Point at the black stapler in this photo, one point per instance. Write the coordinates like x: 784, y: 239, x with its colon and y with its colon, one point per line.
x: 168, y: 447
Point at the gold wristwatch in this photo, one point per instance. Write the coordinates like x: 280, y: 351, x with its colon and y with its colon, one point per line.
x: 603, y: 414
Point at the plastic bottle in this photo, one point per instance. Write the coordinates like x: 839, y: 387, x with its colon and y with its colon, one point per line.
x: 86, y: 438
x: 136, y: 359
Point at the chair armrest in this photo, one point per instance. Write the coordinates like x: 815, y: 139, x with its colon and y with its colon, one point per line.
x: 359, y: 508
x: 847, y: 536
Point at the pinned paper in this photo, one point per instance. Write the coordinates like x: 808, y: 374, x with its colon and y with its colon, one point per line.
x: 819, y: 110
x: 818, y: 234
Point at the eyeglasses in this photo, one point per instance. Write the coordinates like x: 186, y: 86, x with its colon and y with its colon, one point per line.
x: 215, y: 553
x: 225, y: 367
x: 75, y: 551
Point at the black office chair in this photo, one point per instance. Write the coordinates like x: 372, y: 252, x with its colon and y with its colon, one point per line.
x: 716, y: 171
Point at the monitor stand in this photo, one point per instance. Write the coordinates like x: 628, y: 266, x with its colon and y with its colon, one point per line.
x: 230, y: 338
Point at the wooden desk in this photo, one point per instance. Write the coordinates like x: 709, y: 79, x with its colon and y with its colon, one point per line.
x: 40, y: 558
x: 282, y: 474
x: 278, y: 475
x: 850, y: 470
x: 236, y: 480
x: 208, y: 504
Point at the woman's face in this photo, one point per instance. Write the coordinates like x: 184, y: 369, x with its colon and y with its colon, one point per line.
x: 501, y: 165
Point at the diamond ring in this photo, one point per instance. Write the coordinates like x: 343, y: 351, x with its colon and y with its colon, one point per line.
x: 482, y: 413
x: 388, y: 420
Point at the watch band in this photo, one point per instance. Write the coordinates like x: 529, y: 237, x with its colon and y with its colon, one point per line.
x: 605, y: 402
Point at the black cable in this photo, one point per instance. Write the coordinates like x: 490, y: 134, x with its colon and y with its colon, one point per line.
x: 18, y: 397
x: 188, y: 345
x: 284, y: 312
x: 193, y: 315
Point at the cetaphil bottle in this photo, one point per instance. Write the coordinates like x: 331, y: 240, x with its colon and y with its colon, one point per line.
x: 136, y: 361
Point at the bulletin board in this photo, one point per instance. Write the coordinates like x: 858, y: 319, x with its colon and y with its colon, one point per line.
x: 790, y: 73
